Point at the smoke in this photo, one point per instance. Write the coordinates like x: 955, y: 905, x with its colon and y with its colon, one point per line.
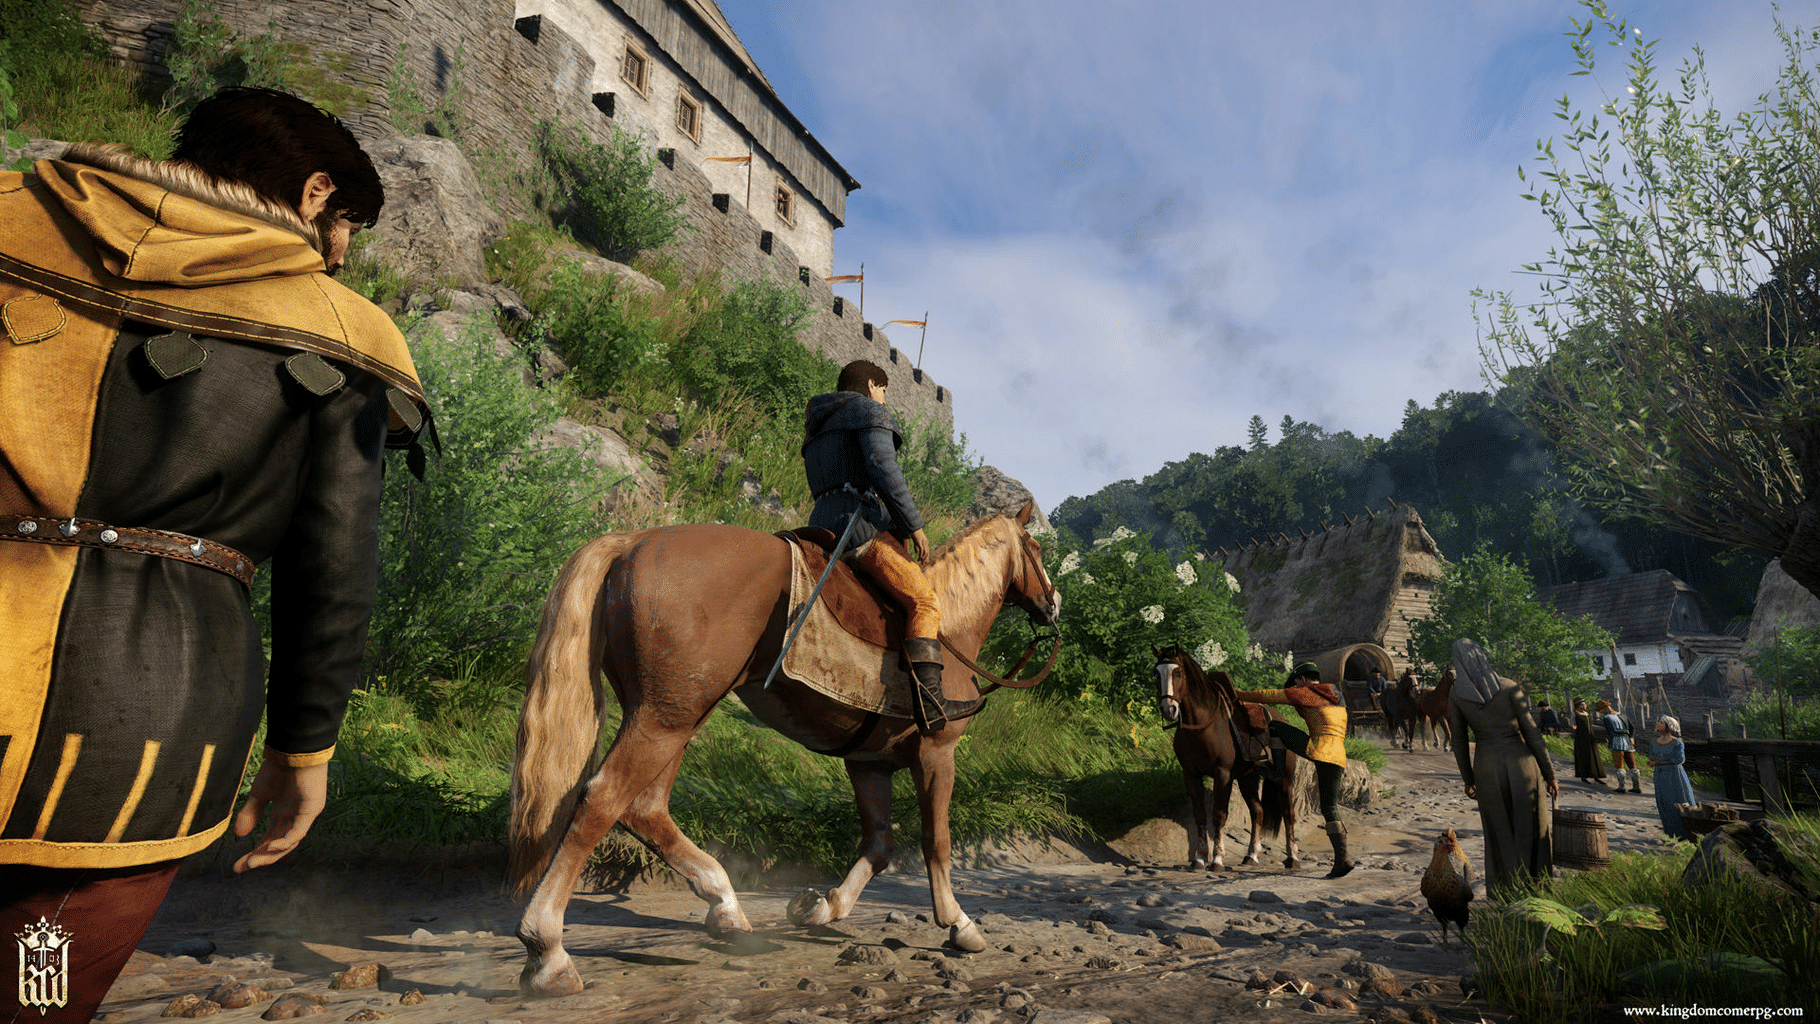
x: 1595, y: 540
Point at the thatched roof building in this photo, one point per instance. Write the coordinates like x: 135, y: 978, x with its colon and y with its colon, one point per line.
x: 1348, y: 584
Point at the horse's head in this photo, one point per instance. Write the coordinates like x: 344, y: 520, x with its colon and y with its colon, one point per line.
x: 1171, y: 680
x: 1031, y: 588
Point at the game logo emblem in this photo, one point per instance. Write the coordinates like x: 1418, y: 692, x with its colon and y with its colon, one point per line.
x: 44, y: 978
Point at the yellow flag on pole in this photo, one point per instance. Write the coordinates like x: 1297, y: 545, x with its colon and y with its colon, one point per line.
x: 912, y: 323
x: 845, y: 277
x: 730, y: 159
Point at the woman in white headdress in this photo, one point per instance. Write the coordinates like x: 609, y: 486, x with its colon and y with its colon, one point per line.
x: 1507, y: 770
x: 1668, y: 756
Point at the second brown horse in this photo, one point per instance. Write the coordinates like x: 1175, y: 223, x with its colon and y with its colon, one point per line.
x: 1202, y: 705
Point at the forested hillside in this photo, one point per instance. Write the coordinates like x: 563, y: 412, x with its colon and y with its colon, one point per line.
x: 1476, y: 473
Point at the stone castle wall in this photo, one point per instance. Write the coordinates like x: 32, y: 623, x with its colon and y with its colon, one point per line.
x: 512, y: 74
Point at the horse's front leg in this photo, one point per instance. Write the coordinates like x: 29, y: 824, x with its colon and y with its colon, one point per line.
x: 1196, y: 786
x: 634, y: 761
x: 933, y: 772
x: 1293, y: 857
x: 872, y: 795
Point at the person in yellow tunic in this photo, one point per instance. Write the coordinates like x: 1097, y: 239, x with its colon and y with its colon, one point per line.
x: 1324, y: 743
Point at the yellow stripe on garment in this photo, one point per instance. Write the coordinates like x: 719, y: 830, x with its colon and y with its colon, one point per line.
x: 202, y: 778
x: 146, y: 761
x: 72, y: 746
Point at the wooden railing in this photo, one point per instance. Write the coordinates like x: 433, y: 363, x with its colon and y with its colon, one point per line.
x: 1763, y: 755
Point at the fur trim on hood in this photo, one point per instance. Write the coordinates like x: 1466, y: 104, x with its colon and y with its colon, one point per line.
x: 187, y: 179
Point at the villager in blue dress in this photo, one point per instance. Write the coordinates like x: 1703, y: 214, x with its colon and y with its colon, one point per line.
x: 1668, y: 756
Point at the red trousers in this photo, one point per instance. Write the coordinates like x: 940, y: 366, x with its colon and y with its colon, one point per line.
x: 99, y: 916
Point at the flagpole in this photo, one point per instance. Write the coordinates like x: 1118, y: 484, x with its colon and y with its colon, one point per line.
x: 925, y: 341
x: 862, y: 290
x: 748, y: 175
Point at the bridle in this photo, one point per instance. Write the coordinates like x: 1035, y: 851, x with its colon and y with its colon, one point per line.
x: 1181, y: 721
x: 1037, y: 635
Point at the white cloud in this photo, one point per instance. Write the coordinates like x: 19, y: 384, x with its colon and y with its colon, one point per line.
x: 1132, y: 230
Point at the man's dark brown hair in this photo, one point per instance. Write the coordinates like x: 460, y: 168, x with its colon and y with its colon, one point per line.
x: 272, y: 142
x: 857, y: 374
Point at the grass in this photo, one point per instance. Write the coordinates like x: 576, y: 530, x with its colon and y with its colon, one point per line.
x: 1571, y: 977
x: 69, y: 87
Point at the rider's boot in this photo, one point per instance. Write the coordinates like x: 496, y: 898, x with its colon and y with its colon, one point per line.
x: 933, y: 710
x: 1342, y: 864
x: 1275, y: 763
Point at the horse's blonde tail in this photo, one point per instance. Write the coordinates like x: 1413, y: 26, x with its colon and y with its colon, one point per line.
x: 559, y: 728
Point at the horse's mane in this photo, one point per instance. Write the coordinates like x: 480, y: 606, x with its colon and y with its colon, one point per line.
x: 955, y: 568
x: 1218, y: 683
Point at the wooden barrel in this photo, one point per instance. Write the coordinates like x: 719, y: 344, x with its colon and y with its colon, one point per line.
x: 1579, y: 840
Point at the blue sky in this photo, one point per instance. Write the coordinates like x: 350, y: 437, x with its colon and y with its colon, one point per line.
x: 1134, y: 226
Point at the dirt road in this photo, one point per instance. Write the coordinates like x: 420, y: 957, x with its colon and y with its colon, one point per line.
x: 1124, y: 934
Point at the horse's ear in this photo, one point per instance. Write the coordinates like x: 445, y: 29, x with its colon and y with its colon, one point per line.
x: 1157, y: 651
x: 1024, y: 514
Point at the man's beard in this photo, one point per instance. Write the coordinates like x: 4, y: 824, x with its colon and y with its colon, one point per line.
x: 325, y: 224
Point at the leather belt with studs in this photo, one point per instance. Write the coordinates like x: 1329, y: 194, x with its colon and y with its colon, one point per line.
x: 163, y: 543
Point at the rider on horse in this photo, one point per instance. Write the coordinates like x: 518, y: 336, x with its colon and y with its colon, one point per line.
x: 850, y: 443
x: 1324, y: 743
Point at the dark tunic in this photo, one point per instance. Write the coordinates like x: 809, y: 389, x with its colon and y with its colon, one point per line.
x: 1510, y: 767
x: 850, y: 439
x: 1588, y: 764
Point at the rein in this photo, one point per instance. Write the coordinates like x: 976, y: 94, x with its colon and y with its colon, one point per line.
x: 1029, y: 652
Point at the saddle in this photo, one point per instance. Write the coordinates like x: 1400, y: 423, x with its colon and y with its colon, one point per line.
x: 852, y: 637
x: 859, y: 605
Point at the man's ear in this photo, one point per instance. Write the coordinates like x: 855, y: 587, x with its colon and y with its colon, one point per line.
x: 316, y: 191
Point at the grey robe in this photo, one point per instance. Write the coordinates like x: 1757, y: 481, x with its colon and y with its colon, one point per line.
x: 1510, y: 766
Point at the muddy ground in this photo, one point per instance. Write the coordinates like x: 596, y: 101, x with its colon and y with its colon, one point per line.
x: 1121, y: 933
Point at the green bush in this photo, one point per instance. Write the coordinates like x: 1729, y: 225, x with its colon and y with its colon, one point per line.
x: 747, y: 344
x: 1791, y: 660
x: 412, y: 113
x: 206, y: 56
x: 468, y: 556
x: 1544, y: 976
x: 603, y: 195
x: 1121, y: 597
x: 68, y: 86
x: 1766, y: 715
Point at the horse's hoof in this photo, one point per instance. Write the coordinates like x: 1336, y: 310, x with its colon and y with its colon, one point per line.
x: 1292, y: 865
x: 809, y: 908
x: 537, y: 982
x: 965, y: 936
x: 1197, y: 865
x: 727, y: 924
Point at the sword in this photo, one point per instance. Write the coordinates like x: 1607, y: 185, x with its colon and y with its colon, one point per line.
x: 802, y: 616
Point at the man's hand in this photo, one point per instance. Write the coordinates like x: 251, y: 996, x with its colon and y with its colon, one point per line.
x: 1554, y: 790
x: 296, y: 797
x: 1472, y: 790
x: 919, y: 546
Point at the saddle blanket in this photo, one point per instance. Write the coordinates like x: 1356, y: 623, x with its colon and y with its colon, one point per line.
x: 833, y: 662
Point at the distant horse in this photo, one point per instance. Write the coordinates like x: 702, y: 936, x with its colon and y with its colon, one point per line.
x: 1431, y: 705
x: 678, y: 617
x: 1202, y: 706
x: 1401, y: 712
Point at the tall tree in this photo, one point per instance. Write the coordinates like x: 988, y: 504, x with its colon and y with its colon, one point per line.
x: 1673, y: 354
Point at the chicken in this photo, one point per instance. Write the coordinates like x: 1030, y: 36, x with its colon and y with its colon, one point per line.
x: 1447, y: 885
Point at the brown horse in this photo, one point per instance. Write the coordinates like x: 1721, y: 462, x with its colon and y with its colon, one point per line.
x: 678, y: 617
x: 1202, y: 705
x: 1431, y: 707
x: 1401, y: 712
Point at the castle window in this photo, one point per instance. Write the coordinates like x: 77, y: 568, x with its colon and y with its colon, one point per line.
x: 1598, y: 664
x: 786, y: 205
x: 688, y: 116
x: 1630, y: 659
x: 635, y: 68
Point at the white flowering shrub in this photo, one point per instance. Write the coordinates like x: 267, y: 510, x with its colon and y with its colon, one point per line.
x: 1121, y: 597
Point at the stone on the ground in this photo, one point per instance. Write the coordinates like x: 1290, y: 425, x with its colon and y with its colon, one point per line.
x: 871, y: 956
x: 411, y: 998
x: 232, y: 995
x: 1263, y: 896
x: 295, y: 1005
x: 356, y: 976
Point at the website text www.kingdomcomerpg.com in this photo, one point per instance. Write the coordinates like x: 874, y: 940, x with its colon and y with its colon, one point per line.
x: 1696, y: 1010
